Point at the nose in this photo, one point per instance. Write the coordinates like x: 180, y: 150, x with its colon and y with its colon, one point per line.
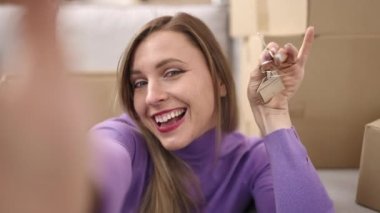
x: 156, y: 94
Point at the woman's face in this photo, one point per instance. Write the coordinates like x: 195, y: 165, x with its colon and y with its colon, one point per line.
x: 173, y: 94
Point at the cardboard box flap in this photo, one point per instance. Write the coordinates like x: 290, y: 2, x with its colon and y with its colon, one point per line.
x: 374, y: 125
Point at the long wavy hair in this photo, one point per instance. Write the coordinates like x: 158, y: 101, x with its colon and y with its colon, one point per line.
x: 169, y: 188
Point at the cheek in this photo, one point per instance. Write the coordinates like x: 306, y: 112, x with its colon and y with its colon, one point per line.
x: 203, y: 100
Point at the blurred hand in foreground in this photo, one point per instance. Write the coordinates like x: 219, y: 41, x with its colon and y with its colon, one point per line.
x: 43, y: 153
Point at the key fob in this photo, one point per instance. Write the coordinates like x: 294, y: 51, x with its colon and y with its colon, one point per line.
x: 270, y: 86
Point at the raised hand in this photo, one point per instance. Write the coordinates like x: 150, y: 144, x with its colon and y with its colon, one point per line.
x: 290, y: 65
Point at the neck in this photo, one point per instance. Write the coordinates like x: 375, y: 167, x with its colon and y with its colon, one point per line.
x: 201, y: 151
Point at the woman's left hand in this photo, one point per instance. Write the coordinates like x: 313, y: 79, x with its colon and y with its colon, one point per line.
x: 290, y: 65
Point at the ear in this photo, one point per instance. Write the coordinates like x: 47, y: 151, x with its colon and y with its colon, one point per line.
x: 222, y: 89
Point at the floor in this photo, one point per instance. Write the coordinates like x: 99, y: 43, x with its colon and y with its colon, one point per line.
x: 341, y: 186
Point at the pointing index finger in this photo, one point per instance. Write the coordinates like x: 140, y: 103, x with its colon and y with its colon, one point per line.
x: 306, y: 45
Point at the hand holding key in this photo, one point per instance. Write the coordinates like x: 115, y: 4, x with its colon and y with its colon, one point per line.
x: 279, y: 74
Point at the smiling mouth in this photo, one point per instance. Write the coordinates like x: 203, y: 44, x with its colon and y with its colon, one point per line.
x: 169, y: 120
x: 169, y: 117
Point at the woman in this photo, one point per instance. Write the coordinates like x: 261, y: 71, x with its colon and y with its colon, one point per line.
x: 185, y: 156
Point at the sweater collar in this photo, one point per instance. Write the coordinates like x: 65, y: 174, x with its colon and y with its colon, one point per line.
x: 201, y: 150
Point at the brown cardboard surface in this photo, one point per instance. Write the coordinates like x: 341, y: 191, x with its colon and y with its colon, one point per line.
x: 243, y: 17
x: 283, y: 17
x: 101, y: 94
x: 247, y: 17
x: 368, y: 193
x: 277, y: 17
x: 345, y: 17
x: 339, y: 95
x: 99, y: 91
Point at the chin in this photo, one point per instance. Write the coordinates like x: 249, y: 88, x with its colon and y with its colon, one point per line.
x: 173, y: 145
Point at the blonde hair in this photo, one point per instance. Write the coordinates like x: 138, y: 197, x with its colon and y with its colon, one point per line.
x: 169, y: 188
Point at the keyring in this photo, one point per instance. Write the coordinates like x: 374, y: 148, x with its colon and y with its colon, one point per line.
x: 267, y: 66
x: 272, y: 74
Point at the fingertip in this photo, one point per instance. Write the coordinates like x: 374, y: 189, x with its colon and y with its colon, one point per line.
x: 310, y: 33
x: 272, y: 46
x: 291, y: 51
x: 280, y: 56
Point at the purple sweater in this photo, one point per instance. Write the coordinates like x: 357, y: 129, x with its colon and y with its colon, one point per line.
x: 274, y: 173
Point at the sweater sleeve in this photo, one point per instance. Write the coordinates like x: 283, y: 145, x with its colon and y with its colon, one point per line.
x: 113, y: 173
x: 296, y: 184
x: 113, y: 143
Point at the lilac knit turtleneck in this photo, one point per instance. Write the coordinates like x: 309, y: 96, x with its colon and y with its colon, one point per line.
x: 273, y: 173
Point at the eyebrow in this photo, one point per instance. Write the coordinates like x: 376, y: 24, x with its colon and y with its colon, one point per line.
x: 160, y: 64
x: 166, y: 61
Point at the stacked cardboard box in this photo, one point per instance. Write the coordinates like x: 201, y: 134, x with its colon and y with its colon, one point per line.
x: 339, y: 94
x: 368, y: 193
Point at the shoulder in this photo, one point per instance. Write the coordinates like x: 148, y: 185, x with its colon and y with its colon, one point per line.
x: 117, y: 125
x: 122, y: 130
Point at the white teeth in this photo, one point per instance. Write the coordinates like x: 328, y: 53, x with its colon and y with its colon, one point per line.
x: 170, y: 115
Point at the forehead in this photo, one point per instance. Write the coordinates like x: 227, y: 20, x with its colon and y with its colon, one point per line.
x: 166, y: 38
x: 166, y: 44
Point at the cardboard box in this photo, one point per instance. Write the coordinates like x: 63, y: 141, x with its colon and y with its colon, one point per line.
x: 101, y: 93
x: 247, y: 17
x: 277, y: 17
x: 368, y: 193
x: 338, y: 96
x: 345, y: 17
x: 243, y: 18
x: 248, y: 59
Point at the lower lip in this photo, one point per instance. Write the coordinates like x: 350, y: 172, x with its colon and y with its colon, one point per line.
x: 172, y: 126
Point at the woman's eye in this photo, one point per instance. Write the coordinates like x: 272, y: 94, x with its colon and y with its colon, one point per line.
x: 139, y: 83
x: 172, y: 72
